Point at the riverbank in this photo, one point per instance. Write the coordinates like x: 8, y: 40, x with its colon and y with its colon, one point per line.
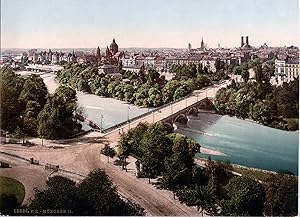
x: 254, y: 173
x: 208, y: 151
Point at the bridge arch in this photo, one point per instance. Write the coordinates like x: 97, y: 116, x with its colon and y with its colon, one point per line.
x: 168, y: 125
x: 181, y: 118
x: 192, y: 111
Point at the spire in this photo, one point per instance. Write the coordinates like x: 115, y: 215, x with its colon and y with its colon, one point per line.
x: 202, y: 44
x: 114, y: 41
x: 98, y: 51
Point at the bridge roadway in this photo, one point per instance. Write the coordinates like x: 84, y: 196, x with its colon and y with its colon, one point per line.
x: 81, y: 155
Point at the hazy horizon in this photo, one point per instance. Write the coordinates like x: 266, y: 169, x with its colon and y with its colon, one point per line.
x: 67, y: 24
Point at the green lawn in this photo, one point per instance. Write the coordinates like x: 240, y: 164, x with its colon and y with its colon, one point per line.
x: 12, y: 186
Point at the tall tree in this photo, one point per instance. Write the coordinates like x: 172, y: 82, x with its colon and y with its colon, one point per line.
x: 246, y: 195
x: 108, y: 152
x: 57, y: 119
x: 281, y: 195
x: 245, y: 75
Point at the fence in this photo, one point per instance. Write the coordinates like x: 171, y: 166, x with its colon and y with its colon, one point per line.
x: 14, y: 155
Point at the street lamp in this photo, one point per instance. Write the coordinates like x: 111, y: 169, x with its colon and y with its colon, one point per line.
x: 22, y: 117
x: 153, y: 117
x: 101, y: 116
x: 128, y: 117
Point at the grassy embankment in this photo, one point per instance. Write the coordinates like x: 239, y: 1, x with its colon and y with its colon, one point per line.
x: 11, y: 186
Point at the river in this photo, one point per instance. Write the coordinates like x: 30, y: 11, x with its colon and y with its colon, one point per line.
x: 245, y: 143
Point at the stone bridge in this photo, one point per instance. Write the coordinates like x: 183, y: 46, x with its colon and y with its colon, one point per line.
x: 181, y: 116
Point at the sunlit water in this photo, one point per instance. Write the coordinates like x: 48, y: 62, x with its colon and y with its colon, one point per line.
x: 249, y: 144
x: 113, y: 111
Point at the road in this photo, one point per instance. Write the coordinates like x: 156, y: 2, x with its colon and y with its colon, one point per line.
x: 82, y: 155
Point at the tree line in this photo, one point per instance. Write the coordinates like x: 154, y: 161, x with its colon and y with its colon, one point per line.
x: 169, y: 157
x: 270, y: 105
x: 95, y: 195
x: 146, y: 88
x: 27, y: 107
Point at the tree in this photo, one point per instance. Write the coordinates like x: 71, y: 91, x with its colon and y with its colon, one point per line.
x: 281, y: 195
x: 203, y: 197
x: 10, y: 88
x: 102, y: 196
x: 179, y: 167
x: 219, y: 64
x: 8, y: 202
x: 153, y: 76
x: 222, y: 97
x: 60, y: 193
x: 34, y: 89
x: 57, y: 119
x: 246, y: 197
x: 258, y: 73
x: 237, y: 70
x: 155, y: 97
x: 245, y: 75
x: 155, y: 147
x: 169, y: 89
x: 95, y: 195
x: 108, y: 151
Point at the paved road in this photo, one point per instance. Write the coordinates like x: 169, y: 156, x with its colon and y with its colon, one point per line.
x: 82, y: 158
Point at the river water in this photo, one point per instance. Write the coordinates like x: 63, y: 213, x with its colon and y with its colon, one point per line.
x: 113, y: 111
x: 246, y: 143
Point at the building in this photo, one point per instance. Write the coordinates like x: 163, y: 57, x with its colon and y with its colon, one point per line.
x: 128, y: 61
x: 108, y: 69
x: 149, y: 62
x: 245, y: 46
x: 113, y: 48
x: 207, y: 62
x: 203, y: 47
x: 286, y: 70
x: 132, y: 68
x: 189, y: 47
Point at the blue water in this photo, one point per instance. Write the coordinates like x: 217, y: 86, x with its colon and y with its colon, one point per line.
x: 113, y: 111
x: 249, y: 144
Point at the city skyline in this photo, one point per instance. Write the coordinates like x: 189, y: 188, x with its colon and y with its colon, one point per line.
x: 147, y: 24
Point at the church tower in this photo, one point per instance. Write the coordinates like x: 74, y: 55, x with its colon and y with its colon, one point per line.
x: 98, y: 54
x: 202, y: 45
x: 114, y: 48
x: 189, y: 47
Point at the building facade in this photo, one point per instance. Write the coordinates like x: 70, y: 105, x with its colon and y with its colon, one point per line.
x: 286, y: 70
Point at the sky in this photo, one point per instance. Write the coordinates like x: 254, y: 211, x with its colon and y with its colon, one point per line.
x: 147, y: 23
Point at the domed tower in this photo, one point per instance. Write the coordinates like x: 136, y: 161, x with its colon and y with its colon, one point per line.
x: 113, y: 48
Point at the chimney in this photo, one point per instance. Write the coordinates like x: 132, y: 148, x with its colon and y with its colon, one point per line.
x: 242, y: 41
x: 247, y: 42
